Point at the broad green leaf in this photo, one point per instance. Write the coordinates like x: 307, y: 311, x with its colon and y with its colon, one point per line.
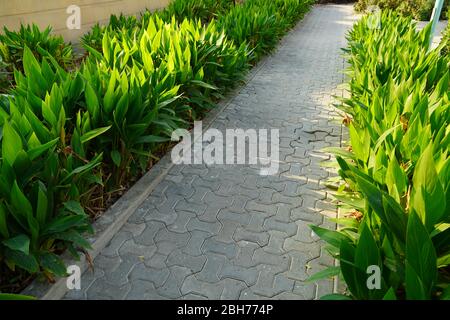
x: 421, y: 261
x: 152, y: 139
x: 34, y: 231
x: 384, y: 136
x: 42, y: 206
x: 20, y: 202
x: 39, y: 150
x: 64, y: 223
x: 443, y: 261
x: 373, y: 195
x: 354, y: 277
x: 52, y: 263
x: 84, y: 168
x: 385, y: 207
x: 24, y: 261
x: 116, y: 157
x: 11, y: 296
x: 106, y: 46
x: 340, y: 152
x: 92, y: 101
x: 3, y: 225
x: 47, y: 112
x: 121, y: 109
x: 93, y: 52
x: 74, y: 237
x: 396, y: 179
x: 367, y: 251
x: 325, y: 274
x: 75, y: 207
x: 415, y: 288
x: 39, y: 129
x: 446, y: 293
x: 428, y: 196
x: 390, y: 295
x: 204, y: 84
x: 396, y: 219
x: 19, y: 243
x: 12, y: 143
x: 334, y: 238
x: 148, y: 61
x: 93, y: 134
x: 111, y: 95
x: 32, y: 68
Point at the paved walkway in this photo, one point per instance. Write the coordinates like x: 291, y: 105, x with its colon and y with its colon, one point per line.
x: 440, y: 27
x: 226, y: 232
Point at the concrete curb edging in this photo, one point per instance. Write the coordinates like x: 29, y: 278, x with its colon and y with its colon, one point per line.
x: 338, y: 284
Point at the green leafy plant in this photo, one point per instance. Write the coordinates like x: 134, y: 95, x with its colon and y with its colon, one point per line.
x: 168, y: 65
x: 5, y: 77
x: 446, y: 37
x: 204, y: 10
x: 117, y: 24
x: 418, y: 9
x: 261, y: 23
x: 40, y: 212
x: 13, y: 43
x: 93, y: 38
x: 8, y: 296
x: 395, y: 187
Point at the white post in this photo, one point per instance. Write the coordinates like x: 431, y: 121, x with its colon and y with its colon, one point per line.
x: 435, y: 19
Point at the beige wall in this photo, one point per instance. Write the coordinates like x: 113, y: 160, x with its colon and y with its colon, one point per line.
x: 53, y: 12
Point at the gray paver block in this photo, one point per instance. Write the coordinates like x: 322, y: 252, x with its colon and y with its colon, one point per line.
x: 227, y: 231
x: 227, y: 249
x: 195, y: 243
x: 148, y: 235
x: 209, y: 227
x: 156, y: 261
x: 210, y: 290
x: 232, y: 289
x: 156, y: 276
x: 211, y: 269
x: 269, y: 284
x: 103, y: 290
x: 249, y: 276
x: 140, y: 290
x: 112, y: 249
x: 130, y: 247
x: 171, y: 287
x: 181, y: 222
x: 261, y: 238
x: 179, y: 258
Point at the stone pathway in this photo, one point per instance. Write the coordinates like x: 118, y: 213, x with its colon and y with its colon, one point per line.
x: 226, y: 232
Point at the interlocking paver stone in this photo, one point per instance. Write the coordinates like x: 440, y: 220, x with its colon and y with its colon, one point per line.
x: 232, y: 289
x: 225, y: 231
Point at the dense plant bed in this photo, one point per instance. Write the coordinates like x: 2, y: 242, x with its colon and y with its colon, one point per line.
x: 418, y: 9
x: 395, y: 187
x: 12, y: 45
x: 446, y: 36
x: 72, y: 136
x: 335, y: 1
